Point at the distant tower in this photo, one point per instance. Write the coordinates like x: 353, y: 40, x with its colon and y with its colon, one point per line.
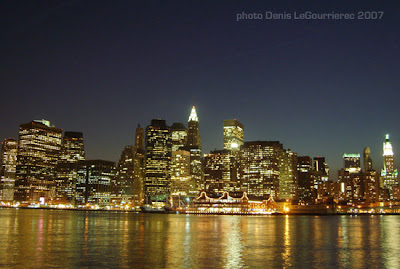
x: 367, y: 160
x: 193, y: 138
x: 9, y: 150
x: 139, y: 138
x: 389, y: 174
x: 139, y: 163
x: 233, y: 135
x: 158, y: 161
x: 194, y: 146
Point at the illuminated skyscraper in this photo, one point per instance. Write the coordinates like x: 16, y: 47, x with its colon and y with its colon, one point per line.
x: 38, y: 153
x: 72, y: 151
x: 9, y: 150
x: 181, y: 179
x: 352, y: 183
x: 73, y: 148
x: 193, y: 137
x: 233, y: 135
x: 288, y: 175
x: 388, y: 174
x: 139, y: 163
x: 123, y: 183
x: 221, y: 172
x: 259, y: 163
x: 179, y: 136
x: 93, y: 182
x: 194, y: 147
x: 367, y: 159
x: 158, y: 161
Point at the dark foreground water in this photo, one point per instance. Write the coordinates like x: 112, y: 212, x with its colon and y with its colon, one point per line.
x: 75, y: 239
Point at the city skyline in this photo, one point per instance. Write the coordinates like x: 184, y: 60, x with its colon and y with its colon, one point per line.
x: 377, y: 157
x: 322, y: 88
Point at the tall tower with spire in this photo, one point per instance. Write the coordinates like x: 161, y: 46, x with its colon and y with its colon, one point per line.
x: 193, y: 138
x: 389, y: 174
x: 194, y: 147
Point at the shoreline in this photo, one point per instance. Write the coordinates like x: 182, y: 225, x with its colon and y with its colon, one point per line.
x: 207, y: 213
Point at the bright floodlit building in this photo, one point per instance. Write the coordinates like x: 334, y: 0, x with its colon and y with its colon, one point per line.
x: 388, y: 173
x: 39, y: 149
x: 158, y: 161
x: 233, y: 135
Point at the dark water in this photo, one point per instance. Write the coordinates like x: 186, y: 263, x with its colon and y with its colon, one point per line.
x: 74, y: 239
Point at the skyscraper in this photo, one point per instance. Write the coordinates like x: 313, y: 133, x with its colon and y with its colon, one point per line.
x: 233, y: 135
x: 158, y: 161
x: 39, y: 149
x: 181, y: 179
x: 93, y: 182
x: 179, y: 136
x: 221, y: 172
x: 350, y: 179
x: 259, y: 163
x: 352, y: 163
x: 122, y: 185
x: 306, y: 190
x: 193, y: 138
x: 72, y: 151
x: 367, y: 159
x: 9, y: 150
x: 139, y: 167
x: 388, y: 174
x: 194, y: 147
x: 288, y: 175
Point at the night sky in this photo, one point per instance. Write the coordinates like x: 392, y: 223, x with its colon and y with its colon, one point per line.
x: 321, y: 87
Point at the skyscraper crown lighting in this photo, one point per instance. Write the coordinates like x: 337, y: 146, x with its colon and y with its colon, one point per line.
x: 193, y: 115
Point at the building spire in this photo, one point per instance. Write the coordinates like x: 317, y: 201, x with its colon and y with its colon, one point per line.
x: 193, y: 115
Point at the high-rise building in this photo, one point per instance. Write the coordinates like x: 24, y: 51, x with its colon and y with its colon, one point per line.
x: 122, y: 185
x: 288, y: 175
x: 9, y: 150
x: 352, y: 163
x: 93, y: 182
x: 179, y: 136
x: 221, y: 172
x: 371, y: 187
x: 39, y: 149
x: 181, y: 180
x: 193, y: 137
x: 139, y: 167
x: 194, y: 147
x: 233, y: 135
x: 72, y: 151
x: 367, y: 159
x: 305, y: 188
x: 321, y: 166
x: 158, y: 161
x: 259, y: 163
x: 388, y: 174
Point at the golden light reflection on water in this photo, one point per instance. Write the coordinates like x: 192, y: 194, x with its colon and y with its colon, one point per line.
x: 44, y: 238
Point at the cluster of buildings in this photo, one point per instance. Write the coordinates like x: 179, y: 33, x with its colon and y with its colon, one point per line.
x: 166, y: 165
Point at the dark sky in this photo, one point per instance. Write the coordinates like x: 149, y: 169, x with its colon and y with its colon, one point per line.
x: 321, y: 87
